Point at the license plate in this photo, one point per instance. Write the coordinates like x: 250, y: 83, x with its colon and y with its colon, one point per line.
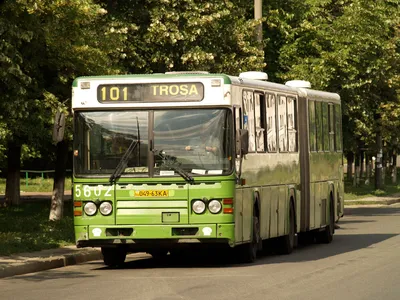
x: 151, y: 193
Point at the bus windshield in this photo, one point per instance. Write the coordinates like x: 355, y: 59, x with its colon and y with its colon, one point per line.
x: 195, y: 141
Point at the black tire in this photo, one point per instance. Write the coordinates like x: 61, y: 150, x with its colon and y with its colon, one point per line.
x: 286, y: 244
x: 159, y: 254
x: 248, y: 252
x: 113, y: 257
x: 326, y: 236
x: 306, y: 238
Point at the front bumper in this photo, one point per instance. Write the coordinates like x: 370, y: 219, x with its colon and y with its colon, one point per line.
x: 99, y: 235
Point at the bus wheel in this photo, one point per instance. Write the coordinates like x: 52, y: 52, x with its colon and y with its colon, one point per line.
x: 113, y: 257
x: 326, y: 236
x: 159, y: 254
x: 286, y: 244
x: 248, y: 252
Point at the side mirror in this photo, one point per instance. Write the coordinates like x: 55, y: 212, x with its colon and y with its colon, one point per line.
x: 242, y: 141
x: 59, y: 127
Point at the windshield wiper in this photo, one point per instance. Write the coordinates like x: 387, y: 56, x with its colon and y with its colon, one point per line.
x: 122, y: 164
x: 172, y: 163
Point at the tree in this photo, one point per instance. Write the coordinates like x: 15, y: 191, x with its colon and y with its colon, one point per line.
x: 45, y: 45
x: 215, y: 36
x: 350, y: 47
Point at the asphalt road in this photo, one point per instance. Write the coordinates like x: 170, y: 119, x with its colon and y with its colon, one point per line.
x: 363, y: 262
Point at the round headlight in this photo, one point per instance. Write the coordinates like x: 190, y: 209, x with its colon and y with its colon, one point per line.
x: 105, y: 208
x: 214, y: 206
x: 90, y: 208
x: 198, y: 206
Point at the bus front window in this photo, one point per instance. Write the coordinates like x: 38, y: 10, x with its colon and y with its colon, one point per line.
x: 102, y: 138
x: 199, y: 140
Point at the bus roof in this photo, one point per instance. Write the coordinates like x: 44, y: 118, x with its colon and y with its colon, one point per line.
x: 228, y: 79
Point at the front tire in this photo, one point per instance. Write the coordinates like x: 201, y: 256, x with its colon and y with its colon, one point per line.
x: 248, y: 252
x: 113, y: 257
x: 159, y: 255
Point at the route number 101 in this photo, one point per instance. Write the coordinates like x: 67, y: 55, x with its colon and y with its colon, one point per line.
x: 114, y: 93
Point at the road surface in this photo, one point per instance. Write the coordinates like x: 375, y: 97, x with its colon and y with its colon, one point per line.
x: 363, y: 262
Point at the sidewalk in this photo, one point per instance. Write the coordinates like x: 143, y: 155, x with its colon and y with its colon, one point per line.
x: 24, y: 263
x: 56, y: 258
x: 387, y: 200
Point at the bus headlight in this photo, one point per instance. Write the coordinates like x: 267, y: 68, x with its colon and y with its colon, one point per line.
x: 198, y: 206
x: 90, y: 208
x: 214, y: 206
x: 105, y: 208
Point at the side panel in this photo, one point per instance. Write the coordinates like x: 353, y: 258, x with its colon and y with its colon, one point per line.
x: 282, y: 210
x: 265, y: 213
x: 274, y: 221
x: 313, y: 196
x: 238, y: 209
x: 247, y: 213
x: 326, y: 170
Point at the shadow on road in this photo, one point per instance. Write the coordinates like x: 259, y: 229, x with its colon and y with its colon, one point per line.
x: 340, y: 245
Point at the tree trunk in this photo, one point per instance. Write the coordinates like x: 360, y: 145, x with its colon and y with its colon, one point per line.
x: 57, y: 201
x: 379, y: 155
x: 350, y: 159
x: 362, y: 164
x: 13, y: 174
x: 394, y: 167
x: 356, y: 181
x: 367, y: 169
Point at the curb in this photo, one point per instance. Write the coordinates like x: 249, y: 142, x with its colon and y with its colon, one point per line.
x: 49, y: 263
x: 350, y: 203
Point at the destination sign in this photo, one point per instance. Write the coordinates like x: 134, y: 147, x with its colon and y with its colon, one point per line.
x: 150, y: 92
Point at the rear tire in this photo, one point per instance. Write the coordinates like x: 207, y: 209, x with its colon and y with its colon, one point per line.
x: 113, y: 257
x: 326, y: 236
x: 286, y: 244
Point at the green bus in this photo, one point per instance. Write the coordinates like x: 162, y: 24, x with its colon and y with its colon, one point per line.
x: 170, y: 162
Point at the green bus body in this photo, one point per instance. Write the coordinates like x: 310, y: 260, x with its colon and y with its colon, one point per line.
x: 293, y: 163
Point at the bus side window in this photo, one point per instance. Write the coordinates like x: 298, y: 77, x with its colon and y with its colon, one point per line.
x: 291, y: 122
x: 312, y: 129
x: 338, y: 127
x: 238, y: 118
x: 325, y: 126
x: 271, y: 123
x: 282, y: 112
x: 260, y: 121
x: 248, y: 118
x: 318, y: 123
x: 331, y: 128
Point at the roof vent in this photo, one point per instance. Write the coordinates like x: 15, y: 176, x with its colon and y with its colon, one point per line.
x: 254, y: 75
x: 187, y: 72
x: 299, y: 84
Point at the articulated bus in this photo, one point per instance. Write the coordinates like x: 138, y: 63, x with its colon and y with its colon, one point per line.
x: 166, y: 163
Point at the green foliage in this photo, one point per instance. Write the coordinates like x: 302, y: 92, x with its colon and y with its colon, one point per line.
x: 172, y: 35
x: 369, y: 191
x: 26, y: 228
x: 350, y: 47
x: 45, y: 45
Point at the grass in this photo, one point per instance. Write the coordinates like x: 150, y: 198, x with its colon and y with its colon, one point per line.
x: 366, y: 191
x: 26, y: 228
x: 36, y: 184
